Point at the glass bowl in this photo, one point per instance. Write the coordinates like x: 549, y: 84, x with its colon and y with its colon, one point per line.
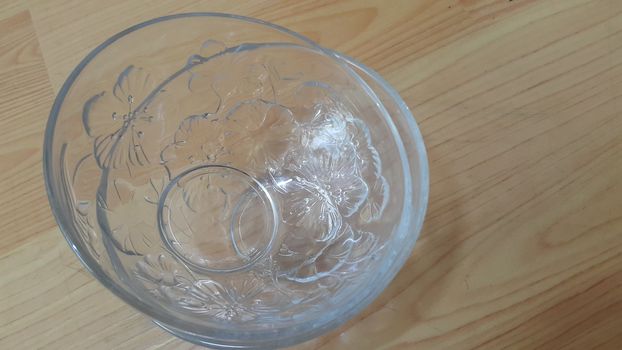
x: 234, y: 181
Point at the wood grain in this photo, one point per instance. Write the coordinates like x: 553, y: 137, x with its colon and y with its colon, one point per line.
x: 518, y: 102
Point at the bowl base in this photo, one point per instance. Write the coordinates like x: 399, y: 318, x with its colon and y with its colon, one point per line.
x: 217, y: 219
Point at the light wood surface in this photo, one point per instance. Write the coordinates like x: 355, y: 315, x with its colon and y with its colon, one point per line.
x: 519, y: 105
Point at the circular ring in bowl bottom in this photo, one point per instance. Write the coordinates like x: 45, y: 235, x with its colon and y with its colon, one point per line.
x: 217, y: 219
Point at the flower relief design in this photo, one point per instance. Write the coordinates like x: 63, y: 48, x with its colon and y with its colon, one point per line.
x: 124, y: 124
x: 348, y: 248
x: 198, y: 140
x: 131, y: 213
x: 316, y: 158
x: 253, y: 136
x: 259, y: 135
x: 163, y: 277
x: 242, y: 127
x: 241, y: 299
x: 324, y: 183
x: 125, y: 117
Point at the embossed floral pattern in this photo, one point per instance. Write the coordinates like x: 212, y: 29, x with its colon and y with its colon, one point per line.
x: 324, y: 184
x: 317, y: 159
x: 198, y: 140
x: 348, y: 247
x: 259, y: 134
x: 130, y: 212
x: 161, y: 270
x: 333, y: 176
x: 236, y: 300
x: 369, y: 165
x: 164, y: 278
x: 123, y: 118
x: 226, y: 303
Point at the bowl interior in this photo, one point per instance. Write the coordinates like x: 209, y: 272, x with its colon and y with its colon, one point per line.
x: 233, y: 180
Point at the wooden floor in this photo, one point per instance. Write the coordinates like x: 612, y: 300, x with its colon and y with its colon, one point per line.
x: 519, y: 105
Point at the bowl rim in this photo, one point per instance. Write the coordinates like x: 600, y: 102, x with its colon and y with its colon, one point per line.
x: 284, y: 338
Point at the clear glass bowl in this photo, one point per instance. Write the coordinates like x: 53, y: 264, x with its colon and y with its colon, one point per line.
x: 234, y: 181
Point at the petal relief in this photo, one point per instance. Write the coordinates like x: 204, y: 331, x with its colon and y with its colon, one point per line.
x: 197, y: 140
x: 122, y: 121
x: 127, y: 211
x: 377, y: 201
